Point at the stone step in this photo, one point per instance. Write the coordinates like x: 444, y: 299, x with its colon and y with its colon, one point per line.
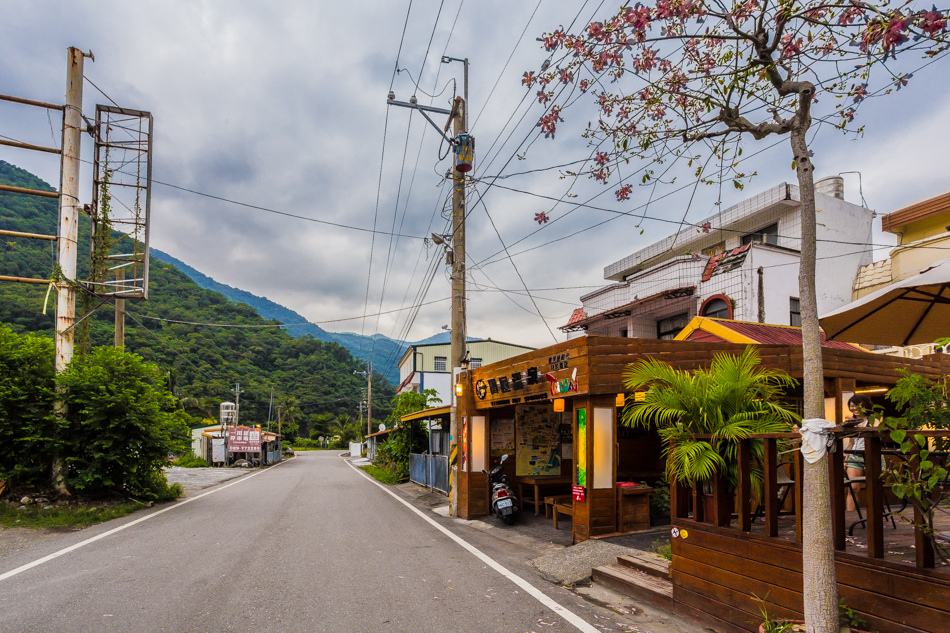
x: 636, y: 584
x: 648, y: 563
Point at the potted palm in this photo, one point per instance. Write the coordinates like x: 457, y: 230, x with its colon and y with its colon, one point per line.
x: 731, y: 400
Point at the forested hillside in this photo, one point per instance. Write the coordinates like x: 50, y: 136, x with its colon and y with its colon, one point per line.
x: 384, y: 352
x: 310, y: 378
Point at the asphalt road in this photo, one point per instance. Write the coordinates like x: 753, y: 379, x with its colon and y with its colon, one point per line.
x: 308, y: 545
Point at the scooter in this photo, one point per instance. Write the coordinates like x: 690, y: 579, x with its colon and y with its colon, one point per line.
x: 504, y: 503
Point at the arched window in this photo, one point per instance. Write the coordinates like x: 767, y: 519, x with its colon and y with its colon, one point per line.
x: 717, y: 307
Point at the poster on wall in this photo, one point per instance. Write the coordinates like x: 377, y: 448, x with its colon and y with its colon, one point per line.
x: 538, y: 441
x: 502, y: 437
x: 580, y: 458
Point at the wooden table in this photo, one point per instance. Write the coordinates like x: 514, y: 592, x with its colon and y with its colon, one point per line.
x: 538, y: 481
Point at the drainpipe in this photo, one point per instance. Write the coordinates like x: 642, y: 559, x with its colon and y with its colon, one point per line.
x: 761, y: 272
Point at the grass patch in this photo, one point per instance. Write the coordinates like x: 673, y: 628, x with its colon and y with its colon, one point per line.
x: 66, y: 517
x: 191, y: 461
x: 381, y: 474
x: 663, y: 548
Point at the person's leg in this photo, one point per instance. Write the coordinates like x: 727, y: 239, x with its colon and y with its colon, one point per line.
x: 858, y: 488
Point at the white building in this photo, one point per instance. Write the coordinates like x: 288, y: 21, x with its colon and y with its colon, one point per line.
x: 740, y: 264
x: 427, y: 366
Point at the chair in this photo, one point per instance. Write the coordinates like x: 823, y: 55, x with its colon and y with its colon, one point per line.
x: 784, y: 484
x: 889, y: 514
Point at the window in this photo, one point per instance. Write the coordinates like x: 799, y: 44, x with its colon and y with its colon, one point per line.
x: 715, y: 249
x: 794, y: 311
x: 768, y: 235
x: 717, y: 309
x: 668, y: 328
x: 440, y: 363
x: 475, y: 363
x: 623, y: 332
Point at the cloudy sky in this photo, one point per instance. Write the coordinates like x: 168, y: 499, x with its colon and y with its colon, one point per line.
x: 283, y: 106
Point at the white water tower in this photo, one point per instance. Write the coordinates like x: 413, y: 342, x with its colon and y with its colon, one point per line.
x: 228, y: 414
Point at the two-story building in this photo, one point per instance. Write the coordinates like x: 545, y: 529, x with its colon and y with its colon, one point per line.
x: 739, y: 264
x: 923, y: 238
x: 427, y: 366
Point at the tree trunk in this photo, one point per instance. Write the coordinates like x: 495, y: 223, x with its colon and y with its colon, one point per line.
x: 818, y: 565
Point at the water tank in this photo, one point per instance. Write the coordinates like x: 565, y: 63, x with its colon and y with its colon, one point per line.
x: 227, y: 413
x: 831, y: 186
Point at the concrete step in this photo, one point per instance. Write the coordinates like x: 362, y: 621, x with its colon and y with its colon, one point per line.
x: 636, y: 584
x: 648, y: 563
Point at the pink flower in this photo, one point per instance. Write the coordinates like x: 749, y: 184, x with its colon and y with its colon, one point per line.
x: 931, y: 22
x: 528, y: 79
x: 541, y: 218
x: 548, y: 122
x: 601, y: 174
x: 596, y: 31
x: 790, y: 46
x: 623, y: 193
x: 567, y: 76
x: 584, y: 85
x: 601, y: 158
x: 850, y: 14
x: 706, y: 226
x: 544, y: 97
x: 646, y: 61
x: 544, y: 80
x: 848, y: 115
x: 859, y: 93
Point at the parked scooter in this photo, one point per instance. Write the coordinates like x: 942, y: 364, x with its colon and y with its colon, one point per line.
x: 504, y: 503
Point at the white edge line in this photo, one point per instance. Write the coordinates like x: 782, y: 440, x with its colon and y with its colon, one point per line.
x: 537, y: 594
x: 62, y: 552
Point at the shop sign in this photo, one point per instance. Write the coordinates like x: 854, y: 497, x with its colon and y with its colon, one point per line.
x: 578, y: 493
x: 517, y: 381
x: 562, y: 385
x: 243, y: 439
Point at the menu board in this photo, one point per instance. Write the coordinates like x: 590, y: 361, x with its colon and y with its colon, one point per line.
x: 538, y: 439
x: 502, y: 437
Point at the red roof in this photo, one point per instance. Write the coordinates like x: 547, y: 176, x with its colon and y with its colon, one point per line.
x: 577, y: 315
x: 729, y: 256
x: 766, y: 334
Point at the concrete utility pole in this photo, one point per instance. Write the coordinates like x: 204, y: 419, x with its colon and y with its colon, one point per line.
x: 369, y: 400
x: 69, y: 209
x: 457, y: 350
x: 237, y: 402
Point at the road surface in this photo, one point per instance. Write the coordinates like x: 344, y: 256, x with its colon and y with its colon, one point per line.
x: 309, y: 545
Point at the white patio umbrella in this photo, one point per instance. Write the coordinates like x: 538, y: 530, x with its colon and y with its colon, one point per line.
x: 909, y: 312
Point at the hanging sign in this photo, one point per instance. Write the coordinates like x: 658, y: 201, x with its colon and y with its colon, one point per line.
x: 243, y: 439
x: 578, y: 493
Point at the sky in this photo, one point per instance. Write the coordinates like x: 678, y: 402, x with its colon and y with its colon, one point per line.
x: 283, y: 106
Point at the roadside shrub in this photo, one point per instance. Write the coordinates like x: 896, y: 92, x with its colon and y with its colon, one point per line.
x: 121, y: 425
x: 27, y: 394
x: 190, y: 460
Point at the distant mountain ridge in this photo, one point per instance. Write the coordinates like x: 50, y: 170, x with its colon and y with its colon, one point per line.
x: 384, y: 354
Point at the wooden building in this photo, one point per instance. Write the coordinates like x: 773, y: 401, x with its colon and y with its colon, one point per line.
x: 510, y: 407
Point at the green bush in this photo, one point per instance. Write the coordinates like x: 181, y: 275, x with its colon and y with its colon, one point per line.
x: 190, y: 460
x: 27, y: 394
x: 121, y: 424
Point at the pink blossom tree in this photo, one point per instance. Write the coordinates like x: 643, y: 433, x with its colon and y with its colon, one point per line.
x: 684, y: 79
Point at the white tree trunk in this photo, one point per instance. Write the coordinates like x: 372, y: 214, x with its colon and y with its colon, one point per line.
x: 818, y: 566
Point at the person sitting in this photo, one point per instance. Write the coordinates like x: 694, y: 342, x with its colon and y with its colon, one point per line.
x: 860, y: 407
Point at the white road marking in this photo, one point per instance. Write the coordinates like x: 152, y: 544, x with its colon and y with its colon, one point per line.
x: 46, y: 559
x: 579, y: 623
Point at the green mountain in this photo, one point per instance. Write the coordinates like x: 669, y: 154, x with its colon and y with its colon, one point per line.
x: 311, y: 379
x: 383, y: 351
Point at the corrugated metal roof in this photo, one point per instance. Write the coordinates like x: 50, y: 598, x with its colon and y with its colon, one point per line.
x: 777, y: 334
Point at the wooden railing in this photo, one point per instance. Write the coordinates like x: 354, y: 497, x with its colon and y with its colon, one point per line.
x: 687, y: 498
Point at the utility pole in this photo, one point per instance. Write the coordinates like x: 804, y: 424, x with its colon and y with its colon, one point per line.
x: 270, y: 408
x: 237, y: 402
x: 69, y: 209
x: 369, y: 399
x: 457, y: 349
x: 458, y: 117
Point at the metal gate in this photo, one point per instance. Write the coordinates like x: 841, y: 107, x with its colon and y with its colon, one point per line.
x: 431, y: 471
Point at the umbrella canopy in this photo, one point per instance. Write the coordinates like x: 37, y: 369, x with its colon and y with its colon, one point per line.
x: 909, y: 312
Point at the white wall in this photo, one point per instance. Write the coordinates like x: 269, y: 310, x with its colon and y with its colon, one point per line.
x: 441, y: 382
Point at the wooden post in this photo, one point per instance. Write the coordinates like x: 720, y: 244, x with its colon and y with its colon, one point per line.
x: 836, y: 477
x: 875, y: 495
x: 771, y: 487
x: 722, y: 509
x: 699, y: 511
x: 744, y: 489
x: 922, y: 545
x: 798, y: 474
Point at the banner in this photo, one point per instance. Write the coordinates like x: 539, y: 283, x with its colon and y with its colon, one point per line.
x: 243, y: 439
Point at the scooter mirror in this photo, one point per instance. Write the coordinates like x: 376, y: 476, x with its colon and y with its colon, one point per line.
x: 504, y: 457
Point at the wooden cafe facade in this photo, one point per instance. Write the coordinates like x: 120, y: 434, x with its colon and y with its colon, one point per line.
x: 555, y: 412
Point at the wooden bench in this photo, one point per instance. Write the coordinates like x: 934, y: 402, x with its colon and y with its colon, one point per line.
x: 550, y: 501
x: 563, y: 508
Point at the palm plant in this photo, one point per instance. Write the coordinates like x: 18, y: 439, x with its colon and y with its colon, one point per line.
x: 731, y: 400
